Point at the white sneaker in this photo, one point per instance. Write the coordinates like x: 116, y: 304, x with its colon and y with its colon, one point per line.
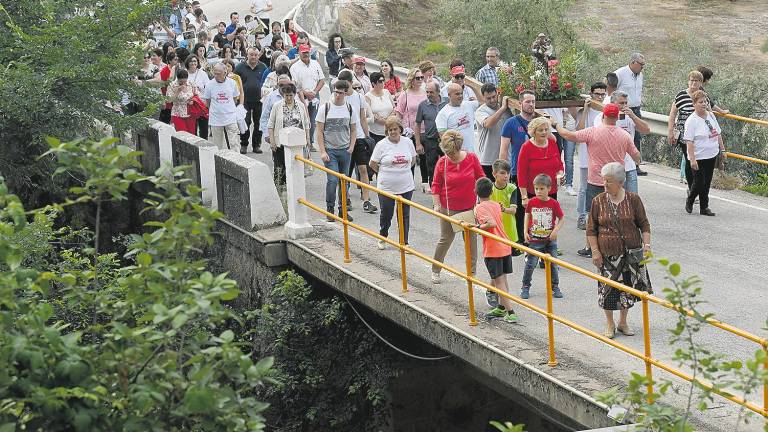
x: 435, y: 278
x: 569, y: 190
x: 381, y: 244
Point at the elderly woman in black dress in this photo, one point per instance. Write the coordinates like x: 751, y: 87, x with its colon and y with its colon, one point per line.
x: 619, y: 234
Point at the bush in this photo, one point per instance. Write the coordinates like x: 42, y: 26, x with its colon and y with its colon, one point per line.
x: 434, y: 47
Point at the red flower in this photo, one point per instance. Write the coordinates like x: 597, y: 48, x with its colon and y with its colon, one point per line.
x: 555, y: 88
x: 519, y: 89
x: 568, y: 85
x: 553, y: 63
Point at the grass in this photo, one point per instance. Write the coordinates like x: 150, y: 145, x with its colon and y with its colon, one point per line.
x: 764, y: 47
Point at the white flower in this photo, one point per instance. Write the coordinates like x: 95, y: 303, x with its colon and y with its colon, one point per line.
x: 538, y: 72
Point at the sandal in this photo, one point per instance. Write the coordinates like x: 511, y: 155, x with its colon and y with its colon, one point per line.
x: 625, y: 330
x: 610, y: 331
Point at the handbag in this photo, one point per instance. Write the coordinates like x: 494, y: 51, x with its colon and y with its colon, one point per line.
x: 467, y: 216
x: 197, y: 109
x: 720, y: 161
x: 634, y: 256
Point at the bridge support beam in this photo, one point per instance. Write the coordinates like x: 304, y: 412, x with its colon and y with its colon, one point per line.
x: 294, y: 141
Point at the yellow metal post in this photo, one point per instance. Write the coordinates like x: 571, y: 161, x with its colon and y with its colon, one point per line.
x: 647, y: 343
x: 401, y: 233
x: 344, y: 221
x: 765, y: 386
x: 550, y: 322
x: 468, y: 256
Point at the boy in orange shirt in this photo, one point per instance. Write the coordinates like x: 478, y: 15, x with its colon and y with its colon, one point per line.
x: 497, y: 255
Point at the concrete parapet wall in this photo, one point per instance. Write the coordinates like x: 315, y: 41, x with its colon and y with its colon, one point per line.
x: 188, y: 149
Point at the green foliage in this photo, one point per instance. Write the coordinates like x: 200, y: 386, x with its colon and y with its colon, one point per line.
x: 93, y: 341
x: 712, y: 372
x: 321, y: 388
x: 508, y: 427
x: 759, y: 186
x: 434, y: 47
x: 510, y: 25
x: 764, y: 46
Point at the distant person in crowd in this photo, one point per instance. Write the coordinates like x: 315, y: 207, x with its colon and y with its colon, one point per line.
x: 279, y: 64
x: 505, y: 194
x: 408, y: 103
x: 336, y: 131
x: 488, y: 74
x: 497, y: 255
x: 200, y: 51
x: 167, y: 75
x: 381, y: 104
x: 238, y: 47
x: 457, y: 77
x: 251, y: 72
x: 631, y: 82
x: 490, y: 118
x: 221, y: 95
x: 234, y: 20
x: 586, y: 118
x: 543, y: 221
x: 221, y: 38
x: 347, y: 59
x: 363, y: 148
x: 681, y: 109
x: 703, y: 142
x: 230, y: 65
x: 360, y: 75
x: 392, y: 160
x: 631, y: 123
x: 619, y: 235
x: 290, y: 30
x: 611, y: 83
x: 309, y: 79
x: 459, y: 115
x: 285, y: 113
x: 227, y: 54
x: 302, y: 39
x: 276, y: 33
x: 391, y: 82
x: 261, y: 9
x: 333, y: 54
x: 180, y: 93
x: 428, y: 141
x: 198, y: 78
x: 427, y: 68
x: 538, y: 155
x: 453, y: 192
x: 607, y: 143
x: 513, y: 134
x: 707, y: 74
x: 278, y: 45
x: 269, y: 101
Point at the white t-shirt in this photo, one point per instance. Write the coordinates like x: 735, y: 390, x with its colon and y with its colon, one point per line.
x: 583, y: 151
x: 357, y: 101
x: 382, y: 106
x: 259, y: 5
x: 706, y: 144
x: 336, y: 124
x: 630, y: 84
x: 306, y: 76
x: 222, y: 97
x: 489, y: 139
x: 628, y: 125
x: 394, y: 161
x: 460, y: 118
x: 200, y: 79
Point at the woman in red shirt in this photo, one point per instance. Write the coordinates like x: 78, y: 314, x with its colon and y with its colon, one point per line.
x: 453, y: 191
x: 392, y: 83
x: 539, y: 155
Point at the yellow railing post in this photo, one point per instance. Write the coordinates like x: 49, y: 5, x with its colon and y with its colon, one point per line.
x: 647, y: 343
x: 344, y: 221
x: 765, y: 385
x: 468, y: 256
x: 401, y: 234
x: 550, y: 322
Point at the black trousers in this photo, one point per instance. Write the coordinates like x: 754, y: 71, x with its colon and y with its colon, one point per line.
x: 688, y: 170
x: 428, y: 160
x: 520, y: 213
x: 702, y: 180
x: 165, y: 115
x: 202, y: 127
x: 637, y: 136
x: 252, y: 116
x: 488, y: 170
x: 278, y: 159
x: 388, y: 206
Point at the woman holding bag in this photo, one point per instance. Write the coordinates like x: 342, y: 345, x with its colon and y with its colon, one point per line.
x: 703, y: 145
x: 453, y: 194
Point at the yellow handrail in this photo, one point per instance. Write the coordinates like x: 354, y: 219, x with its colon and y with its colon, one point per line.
x: 549, y: 260
x: 746, y: 158
x: 741, y: 118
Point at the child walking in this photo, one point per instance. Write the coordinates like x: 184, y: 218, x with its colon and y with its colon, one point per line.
x: 497, y: 255
x: 504, y: 193
x: 543, y: 220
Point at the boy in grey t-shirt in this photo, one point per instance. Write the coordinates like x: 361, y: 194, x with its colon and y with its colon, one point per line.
x: 336, y: 133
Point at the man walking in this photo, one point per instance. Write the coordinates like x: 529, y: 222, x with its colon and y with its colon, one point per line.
x: 309, y: 79
x: 427, y: 143
x: 487, y: 74
x: 458, y: 115
x: 234, y: 19
x: 490, y: 118
x: 261, y: 9
x: 458, y: 73
x: 631, y: 82
x: 251, y: 72
x: 220, y: 96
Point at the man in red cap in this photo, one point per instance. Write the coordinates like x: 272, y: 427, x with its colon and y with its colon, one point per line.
x: 309, y: 79
x: 606, y: 143
x: 458, y: 73
x: 360, y: 75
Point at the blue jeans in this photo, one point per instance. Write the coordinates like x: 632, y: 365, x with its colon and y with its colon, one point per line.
x: 581, y: 201
x: 531, y: 261
x: 630, y: 184
x: 339, y: 162
x: 568, y: 152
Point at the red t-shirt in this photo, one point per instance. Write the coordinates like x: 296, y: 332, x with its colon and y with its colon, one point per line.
x: 455, y: 183
x: 542, y: 218
x: 534, y: 160
x: 165, y: 74
x: 491, y: 210
x: 393, y: 84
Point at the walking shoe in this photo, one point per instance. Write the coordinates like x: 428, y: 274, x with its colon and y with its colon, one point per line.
x: 258, y: 151
x: 491, y: 298
x: 556, y: 293
x: 586, y: 252
x: 328, y: 217
x: 349, y: 204
x: 560, y: 252
x: 641, y: 172
x: 312, y: 148
x: 516, y: 252
x: 349, y: 216
x: 625, y: 330
x: 581, y: 223
x: 381, y: 244
x: 243, y: 149
x: 688, y: 207
x: 369, y: 208
x: 435, y: 278
x: 496, y: 312
x: 569, y: 190
x: 525, y: 292
x: 707, y: 212
x: 511, y: 317
x: 541, y: 263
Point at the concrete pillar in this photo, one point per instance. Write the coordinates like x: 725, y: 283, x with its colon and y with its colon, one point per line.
x: 198, y: 153
x: 293, y: 141
x: 164, y: 133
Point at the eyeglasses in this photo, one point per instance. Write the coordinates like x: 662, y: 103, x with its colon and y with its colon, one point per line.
x: 418, y: 78
x: 640, y: 63
x: 340, y: 92
x: 459, y: 76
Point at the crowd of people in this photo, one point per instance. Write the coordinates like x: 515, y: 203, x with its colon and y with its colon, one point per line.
x: 481, y: 162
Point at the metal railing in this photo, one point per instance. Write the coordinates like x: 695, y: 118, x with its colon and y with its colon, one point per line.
x: 645, y: 356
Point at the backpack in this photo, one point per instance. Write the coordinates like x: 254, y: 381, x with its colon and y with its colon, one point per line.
x: 349, y: 108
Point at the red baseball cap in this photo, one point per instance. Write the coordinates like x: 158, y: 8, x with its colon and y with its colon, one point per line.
x: 611, y: 110
x: 457, y: 70
x: 359, y: 60
x: 304, y: 48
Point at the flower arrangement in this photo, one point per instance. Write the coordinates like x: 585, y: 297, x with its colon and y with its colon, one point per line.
x: 555, y: 80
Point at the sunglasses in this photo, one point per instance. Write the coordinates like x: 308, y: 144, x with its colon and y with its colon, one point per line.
x: 418, y: 78
x: 380, y: 81
x: 459, y: 76
x: 357, y: 88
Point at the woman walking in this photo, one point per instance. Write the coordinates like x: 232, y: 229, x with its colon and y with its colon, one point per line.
x: 703, y: 144
x: 409, y: 100
x: 285, y: 113
x: 538, y: 155
x: 180, y: 93
x: 392, y: 160
x: 380, y: 102
x: 333, y: 56
x: 391, y: 82
x: 681, y: 109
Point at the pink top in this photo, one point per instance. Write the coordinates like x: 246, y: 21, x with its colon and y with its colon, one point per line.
x: 606, y: 144
x: 534, y: 160
x: 484, y: 212
x: 454, y: 183
x: 407, y: 105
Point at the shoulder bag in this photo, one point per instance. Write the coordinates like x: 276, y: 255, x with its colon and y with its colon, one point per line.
x: 633, y: 256
x: 467, y: 216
